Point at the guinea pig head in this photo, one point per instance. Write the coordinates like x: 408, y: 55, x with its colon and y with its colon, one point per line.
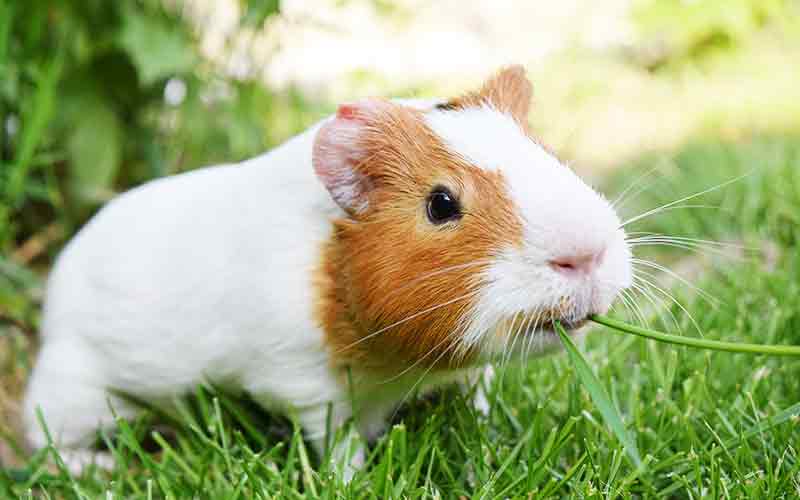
x: 463, y: 237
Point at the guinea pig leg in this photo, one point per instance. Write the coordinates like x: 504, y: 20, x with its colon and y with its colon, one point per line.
x: 78, y: 460
x: 349, y: 452
x: 481, y: 379
x: 66, y: 388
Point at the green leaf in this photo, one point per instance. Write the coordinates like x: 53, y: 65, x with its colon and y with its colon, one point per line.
x: 599, y: 396
x: 95, y: 148
x: 157, y: 50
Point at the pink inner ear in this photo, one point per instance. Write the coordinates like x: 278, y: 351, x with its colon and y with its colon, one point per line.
x: 339, y: 148
x: 336, y: 154
x: 365, y: 110
x: 347, y: 111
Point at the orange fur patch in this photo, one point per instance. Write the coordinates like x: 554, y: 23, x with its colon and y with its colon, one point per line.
x: 383, y: 269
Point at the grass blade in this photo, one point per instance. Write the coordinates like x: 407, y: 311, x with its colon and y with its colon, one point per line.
x: 599, y: 396
x: 716, y: 345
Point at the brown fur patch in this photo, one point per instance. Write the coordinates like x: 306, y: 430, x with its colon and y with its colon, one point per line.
x: 508, y: 91
x: 14, y: 342
x: 385, y: 267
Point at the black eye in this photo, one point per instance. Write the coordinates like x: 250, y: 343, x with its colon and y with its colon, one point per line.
x: 442, y: 206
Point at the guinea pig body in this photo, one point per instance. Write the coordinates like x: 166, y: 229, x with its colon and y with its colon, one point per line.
x: 380, y: 252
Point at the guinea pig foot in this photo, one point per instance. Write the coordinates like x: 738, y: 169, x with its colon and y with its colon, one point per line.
x: 481, y: 380
x: 77, y: 461
x: 481, y: 402
x: 355, y: 464
x: 349, y: 455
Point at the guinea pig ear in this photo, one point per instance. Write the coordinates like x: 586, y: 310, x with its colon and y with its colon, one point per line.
x: 509, y: 91
x: 340, y: 146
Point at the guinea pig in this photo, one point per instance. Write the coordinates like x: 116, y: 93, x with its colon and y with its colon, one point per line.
x: 395, y: 246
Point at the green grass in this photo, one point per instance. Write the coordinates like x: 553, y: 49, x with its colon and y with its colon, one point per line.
x: 706, y: 424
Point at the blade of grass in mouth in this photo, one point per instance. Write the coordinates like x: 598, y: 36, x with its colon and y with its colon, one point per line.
x: 599, y: 395
x: 717, y: 345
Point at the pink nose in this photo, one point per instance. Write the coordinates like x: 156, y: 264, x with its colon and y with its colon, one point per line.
x: 577, y: 264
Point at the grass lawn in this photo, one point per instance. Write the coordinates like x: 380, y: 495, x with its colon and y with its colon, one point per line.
x: 707, y: 424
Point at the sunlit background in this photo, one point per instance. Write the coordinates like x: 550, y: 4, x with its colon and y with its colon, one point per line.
x: 98, y: 96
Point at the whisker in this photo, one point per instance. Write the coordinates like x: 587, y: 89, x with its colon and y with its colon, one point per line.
x: 438, y: 272
x: 425, y: 373
x: 534, y: 324
x: 409, y: 318
x: 714, y: 301
x: 659, y: 308
x: 447, y: 337
x: 620, y: 199
x: 713, y: 246
x: 659, y: 237
x: 693, y: 205
x: 527, y: 333
x: 622, y: 309
x: 511, y: 336
x: 681, y: 200
x: 519, y: 334
x: 634, y: 307
x: 675, y: 301
x: 531, y: 320
x: 665, y: 208
x: 626, y: 306
x: 469, y: 339
x: 688, y: 246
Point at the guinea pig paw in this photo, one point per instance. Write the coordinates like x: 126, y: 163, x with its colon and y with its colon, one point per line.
x: 349, y: 456
x: 78, y: 461
x: 481, y: 379
x: 481, y: 402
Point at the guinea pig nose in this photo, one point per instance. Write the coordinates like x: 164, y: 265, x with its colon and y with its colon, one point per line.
x: 583, y: 263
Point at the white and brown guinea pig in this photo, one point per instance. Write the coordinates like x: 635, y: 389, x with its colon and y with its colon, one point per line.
x: 393, y: 240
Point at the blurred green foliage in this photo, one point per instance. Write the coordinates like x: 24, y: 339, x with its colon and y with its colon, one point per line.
x: 97, y: 96
x: 685, y: 32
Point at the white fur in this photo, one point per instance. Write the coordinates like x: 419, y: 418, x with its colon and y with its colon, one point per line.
x: 561, y: 216
x: 207, y: 276
x: 204, y: 275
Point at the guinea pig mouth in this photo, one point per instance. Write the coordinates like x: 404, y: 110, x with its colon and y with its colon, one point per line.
x: 569, y: 325
x: 548, y: 325
x: 540, y: 323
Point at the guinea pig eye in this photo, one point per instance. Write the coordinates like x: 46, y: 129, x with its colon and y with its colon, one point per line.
x: 442, y: 206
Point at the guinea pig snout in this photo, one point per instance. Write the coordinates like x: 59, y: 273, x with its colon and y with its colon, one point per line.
x: 578, y: 264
